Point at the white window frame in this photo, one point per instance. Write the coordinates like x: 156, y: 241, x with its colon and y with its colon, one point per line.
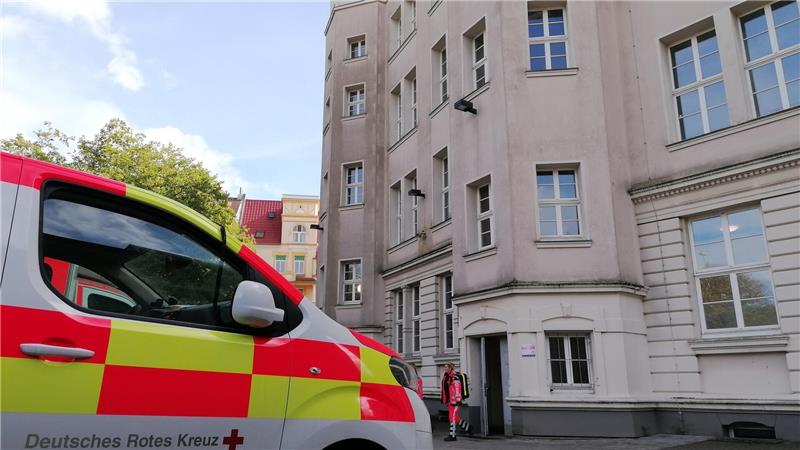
x: 558, y: 202
x: 397, y: 191
x: 356, y: 281
x: 413, y: 83
x: 443, y: 95
x: 299, y: 264
x: 481, y: 62
x: 731, y: 270
x: 776, y: 56
x: 299, y: 234
x: 698, y: 85
x: 547, y: 39
x: 397, y: 94
x: 399, y: 319
x: 481, y: 216
x: 356, y: 106
x: 414, y: 210
x: 445, y: 174
x: 570, y: 384
x: 360, y: 49
x: 416, y: 322
x: 397, y: 19
x: 354, y: 189
x: 447, y: 292
x: 280, y: 264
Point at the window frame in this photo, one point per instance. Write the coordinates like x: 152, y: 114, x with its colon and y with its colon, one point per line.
x: 396, y: 190
x: 414, y: 206
x: 416, y: 320
x: 444, y: 166
x: 281, y: 268
x: 356, y: 187
x: 451, y: 312
x: 547, y: 39
x: 481, y: 216
x: 360, y: 42
x: 570, y: 385
x: 483, y: 62
x: 731, y: 270
x: 399, y: 319
x: 699, y: 84
x: 358, y: 107
x: 413, y: 105
x: 558, y: 202
x: 776, y: 56
x: 356, y: 282
x: 443, y: 71
x: 302, y: 261
x: 299, y: 234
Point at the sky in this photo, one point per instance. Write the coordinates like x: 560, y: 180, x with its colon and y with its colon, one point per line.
x: 239, y: 86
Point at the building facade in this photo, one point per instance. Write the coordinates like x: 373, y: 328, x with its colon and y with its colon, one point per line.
x: 283, y: 234
x: 592, y: 208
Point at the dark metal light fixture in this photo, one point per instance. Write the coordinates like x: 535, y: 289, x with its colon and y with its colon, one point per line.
x: 315, y: 226
x: 416, y: 193
x: 466, y: 106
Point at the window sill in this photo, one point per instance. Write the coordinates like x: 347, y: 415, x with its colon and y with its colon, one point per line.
x: 349, y: 305
x: 402, y: 139
x: 572, y: 243
x: 571, y: 389
x: 450, y: 355
x: 352, y: 60
x: 351, y: 207
x: 403, y: 244
x: 358, y: 116
x: 402, y: 46
x: 474, y: 94
x: 740, y: 344
x: 436, y: 110
x: 441, y: 224
x: 413, y: 359
x: 480, y: 254
x: 551, y: 72
x: 328, y: 73
x: 327, y: 127
x: 733, y: 129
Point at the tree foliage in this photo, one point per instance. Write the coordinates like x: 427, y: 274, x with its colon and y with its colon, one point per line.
x: 120, y: 153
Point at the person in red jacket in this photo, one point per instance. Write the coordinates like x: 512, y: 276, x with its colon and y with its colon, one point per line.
x: 451, y: 396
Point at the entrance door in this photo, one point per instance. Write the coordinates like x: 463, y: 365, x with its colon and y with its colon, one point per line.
x: 494, y: 383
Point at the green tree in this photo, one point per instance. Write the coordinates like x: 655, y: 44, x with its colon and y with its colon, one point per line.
x: 120, y: 153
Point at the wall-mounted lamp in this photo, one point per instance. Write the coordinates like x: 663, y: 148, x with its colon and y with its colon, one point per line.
x: 466, y: 106
x: 416, y: 193
x: 316, y: 226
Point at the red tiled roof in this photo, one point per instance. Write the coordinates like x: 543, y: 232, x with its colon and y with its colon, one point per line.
x: 256, y: 217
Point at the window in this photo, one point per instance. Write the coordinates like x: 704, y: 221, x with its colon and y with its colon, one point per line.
x: 259, y: 234
x: 732, y: 273
x: 414, y: 102
x: 399, y: 338
x: 299, y: 265
x: 397, y: 100
x: 772, y: 50
x: 570, y: 361
x: 445, y: 184
x: 412, y: 183
x: 397, y: 27
x: 479, y: 61
x: 298, y: 234
x: 397, y: 204
x: 358, y: 47
x: 412, y: 12
x: 280, y: 263
x: 354, y: 184
x: 559, y: 203
x: 351, y: 281
x: 485, y: 239
x: 698, y: 89
x: 547, y: 39
x: 109, y: 258
x: 356, y: 101
x: 448, y: 312
x: 416, y: 340
x: 443, y: 75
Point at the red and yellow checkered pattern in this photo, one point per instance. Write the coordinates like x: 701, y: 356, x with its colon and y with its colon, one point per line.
x: 153, y: 369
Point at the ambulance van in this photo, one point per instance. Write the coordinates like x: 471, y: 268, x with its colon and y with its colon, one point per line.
x: 128, y: 320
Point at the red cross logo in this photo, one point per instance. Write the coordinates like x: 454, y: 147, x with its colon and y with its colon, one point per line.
x: 233, y: 440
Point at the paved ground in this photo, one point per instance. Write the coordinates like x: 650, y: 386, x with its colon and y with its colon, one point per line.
x: 657, y: 442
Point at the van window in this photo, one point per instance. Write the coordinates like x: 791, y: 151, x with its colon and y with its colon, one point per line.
x: 104, y: 258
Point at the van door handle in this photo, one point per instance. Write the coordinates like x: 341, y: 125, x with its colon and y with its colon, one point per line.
x: 55, y: 350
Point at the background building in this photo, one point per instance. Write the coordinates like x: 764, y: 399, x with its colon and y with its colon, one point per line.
x: 283, y: 234
x: 592, y: 207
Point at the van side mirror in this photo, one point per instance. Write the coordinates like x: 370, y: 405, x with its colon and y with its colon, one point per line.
x: 254, y: 306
